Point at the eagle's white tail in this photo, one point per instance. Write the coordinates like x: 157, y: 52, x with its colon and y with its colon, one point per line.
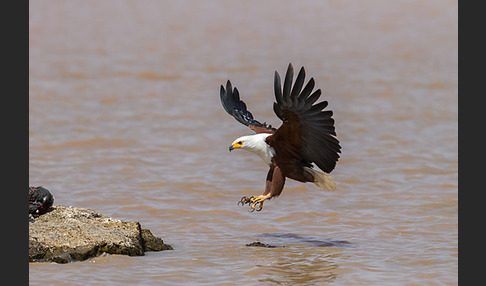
x: 322, y: 180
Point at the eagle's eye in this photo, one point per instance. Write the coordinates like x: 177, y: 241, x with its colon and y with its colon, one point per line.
x: 239, y: 143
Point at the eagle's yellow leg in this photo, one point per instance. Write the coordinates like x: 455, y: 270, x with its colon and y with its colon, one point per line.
x: 254, y: 202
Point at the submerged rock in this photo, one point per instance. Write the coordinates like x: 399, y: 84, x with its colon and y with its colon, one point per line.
x: 66, y: 234
x: 260, y: 244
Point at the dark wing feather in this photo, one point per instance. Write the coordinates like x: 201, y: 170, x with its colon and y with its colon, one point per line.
x: 230, y: 99
x: 295, y: 106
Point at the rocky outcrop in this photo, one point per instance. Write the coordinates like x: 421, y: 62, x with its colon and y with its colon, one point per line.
x: 66, y: 234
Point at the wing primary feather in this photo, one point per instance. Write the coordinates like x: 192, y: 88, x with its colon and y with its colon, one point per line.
x: 278, y: 88
x: 311, y: 99
x: 278, y: 111
x: 236, y: 95
x: 229, y: 88
x: 222, y: 95
x: 287, y: 86
x: 237, y: 102
x: 225, y: 100
x: 318, y: 107
x: 299, y: 82
x: 307, y: 90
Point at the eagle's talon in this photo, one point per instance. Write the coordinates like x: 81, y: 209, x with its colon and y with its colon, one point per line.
x: 258, y: 203
x: 245, y: 200
x: 260, y: 208
x: 255, y: 203
x: 253, y: 207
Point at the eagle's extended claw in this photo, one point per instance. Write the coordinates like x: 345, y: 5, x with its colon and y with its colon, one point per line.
x: 245, y: 200
x: 255, y: 203
x: 241, y: 202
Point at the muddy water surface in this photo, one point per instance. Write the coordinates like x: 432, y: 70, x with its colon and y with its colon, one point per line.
x: 125, y: 119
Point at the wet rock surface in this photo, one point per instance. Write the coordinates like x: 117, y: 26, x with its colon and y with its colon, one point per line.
x: 260, y: 244
x: 67, y: 234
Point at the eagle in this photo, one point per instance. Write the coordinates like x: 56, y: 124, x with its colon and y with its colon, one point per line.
x: 304, y: 143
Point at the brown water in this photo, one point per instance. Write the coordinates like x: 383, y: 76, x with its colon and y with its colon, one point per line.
x: 125, y: 119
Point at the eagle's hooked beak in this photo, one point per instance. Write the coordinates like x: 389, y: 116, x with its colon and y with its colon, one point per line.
x: 236, y: 145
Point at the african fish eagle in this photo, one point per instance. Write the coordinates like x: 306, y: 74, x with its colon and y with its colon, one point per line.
x: 306, y: 138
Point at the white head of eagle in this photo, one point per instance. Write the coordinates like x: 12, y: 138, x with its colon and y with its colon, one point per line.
x: 305, y: 142
x: 256, y: 144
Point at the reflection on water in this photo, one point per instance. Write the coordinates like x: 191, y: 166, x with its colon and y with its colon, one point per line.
x: 301, y: 270
x: 295, y: 238
x: 298, y: 265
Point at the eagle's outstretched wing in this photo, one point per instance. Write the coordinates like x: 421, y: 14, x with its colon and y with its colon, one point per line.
x: 230, y: 99
x: 307, y: 132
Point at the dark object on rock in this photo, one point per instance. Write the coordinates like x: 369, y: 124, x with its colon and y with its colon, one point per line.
x: 67, y: 234
x: 259, y: 244
x: 40, y: 200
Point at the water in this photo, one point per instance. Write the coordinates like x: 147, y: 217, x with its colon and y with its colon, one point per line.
x: 125, y: 119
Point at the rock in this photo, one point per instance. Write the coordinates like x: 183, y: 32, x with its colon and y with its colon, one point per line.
x: 260, y: 244
x: 66, y: 234
x: 153, y: 243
